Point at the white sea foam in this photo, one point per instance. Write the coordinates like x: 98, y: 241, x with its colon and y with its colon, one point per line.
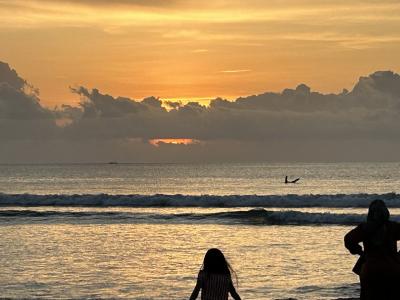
x: 178, y: 200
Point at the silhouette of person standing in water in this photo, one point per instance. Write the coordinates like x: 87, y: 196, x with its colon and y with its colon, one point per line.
x: 379, y: 262
x: 214, y: 279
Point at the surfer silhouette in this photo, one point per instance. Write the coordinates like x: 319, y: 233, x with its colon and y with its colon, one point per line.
x: 291, y: 181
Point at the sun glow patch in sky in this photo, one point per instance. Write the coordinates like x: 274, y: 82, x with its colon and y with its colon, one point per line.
x: 157, y: 142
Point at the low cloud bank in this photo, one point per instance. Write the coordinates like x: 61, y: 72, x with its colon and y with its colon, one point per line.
x: 296, y: 124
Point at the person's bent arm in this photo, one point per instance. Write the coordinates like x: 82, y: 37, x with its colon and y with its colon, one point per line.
x: 397, y: 230
x: 352, y: 240
x: 196, y: 289
x: 233, y: 292
x: 195, y: 292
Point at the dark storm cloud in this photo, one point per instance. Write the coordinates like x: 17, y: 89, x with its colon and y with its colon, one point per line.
x: 266, y: 126
x: 21, y: 115
x: 18, y: 100
x: 10, y: 77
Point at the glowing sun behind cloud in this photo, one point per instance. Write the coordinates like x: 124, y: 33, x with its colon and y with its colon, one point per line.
x: 157, y: 142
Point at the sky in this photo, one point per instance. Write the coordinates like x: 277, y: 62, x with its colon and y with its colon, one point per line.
x: 196, y: 50
x: 165, y: 81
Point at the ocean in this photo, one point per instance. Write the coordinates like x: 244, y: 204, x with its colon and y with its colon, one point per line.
x: 140, y: 231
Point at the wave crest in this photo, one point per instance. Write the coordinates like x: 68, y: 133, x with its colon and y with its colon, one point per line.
x: 250, y: 217
x: 179, y: 200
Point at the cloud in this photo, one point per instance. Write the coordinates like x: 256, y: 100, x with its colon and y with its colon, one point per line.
x: 10, y: 77
x: 296, y: 124
x: 236, y: 71
x: 107, y: 3
x: 21, y: 115
x: 18, y: 99
x: 34, y: 13
x: 370, y: 111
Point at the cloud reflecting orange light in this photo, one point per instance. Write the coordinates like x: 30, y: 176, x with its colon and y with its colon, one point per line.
x: 157, y: 142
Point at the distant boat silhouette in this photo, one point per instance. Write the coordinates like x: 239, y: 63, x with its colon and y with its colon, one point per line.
x: 113, y: 163
x: 291, y: 181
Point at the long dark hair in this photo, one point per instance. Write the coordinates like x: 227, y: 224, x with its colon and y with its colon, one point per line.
x: 216, y: 263
x: 378, y: 217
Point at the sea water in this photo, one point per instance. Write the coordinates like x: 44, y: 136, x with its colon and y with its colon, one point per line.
x: 140, y: 231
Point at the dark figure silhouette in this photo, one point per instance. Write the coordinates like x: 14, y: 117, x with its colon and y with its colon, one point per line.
x: 214, y: 278
x: 293, y: 181
x: 379, y: 262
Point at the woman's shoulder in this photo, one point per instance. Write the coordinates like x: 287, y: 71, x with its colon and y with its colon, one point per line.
x: 361, y: 227
x: 200, y: 277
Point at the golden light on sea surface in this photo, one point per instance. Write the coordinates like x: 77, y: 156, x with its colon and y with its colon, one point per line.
x: 157, y: 142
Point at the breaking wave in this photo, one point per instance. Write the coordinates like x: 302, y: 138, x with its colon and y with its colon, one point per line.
x: 258, y: 216
x: 178, y: 200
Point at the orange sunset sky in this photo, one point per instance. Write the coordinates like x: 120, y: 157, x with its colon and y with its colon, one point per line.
x: 197, y: 50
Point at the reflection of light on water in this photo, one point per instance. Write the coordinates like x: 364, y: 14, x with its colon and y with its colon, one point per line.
x: 157, y: 142
x: 161, y: 261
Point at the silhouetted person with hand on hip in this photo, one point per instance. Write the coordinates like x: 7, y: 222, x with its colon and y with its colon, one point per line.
x: 214, y: 279
x: 379, y: 262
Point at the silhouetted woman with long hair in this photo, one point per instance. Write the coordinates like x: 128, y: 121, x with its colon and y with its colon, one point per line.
x: 215, y: 278
x: 379, y: 263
